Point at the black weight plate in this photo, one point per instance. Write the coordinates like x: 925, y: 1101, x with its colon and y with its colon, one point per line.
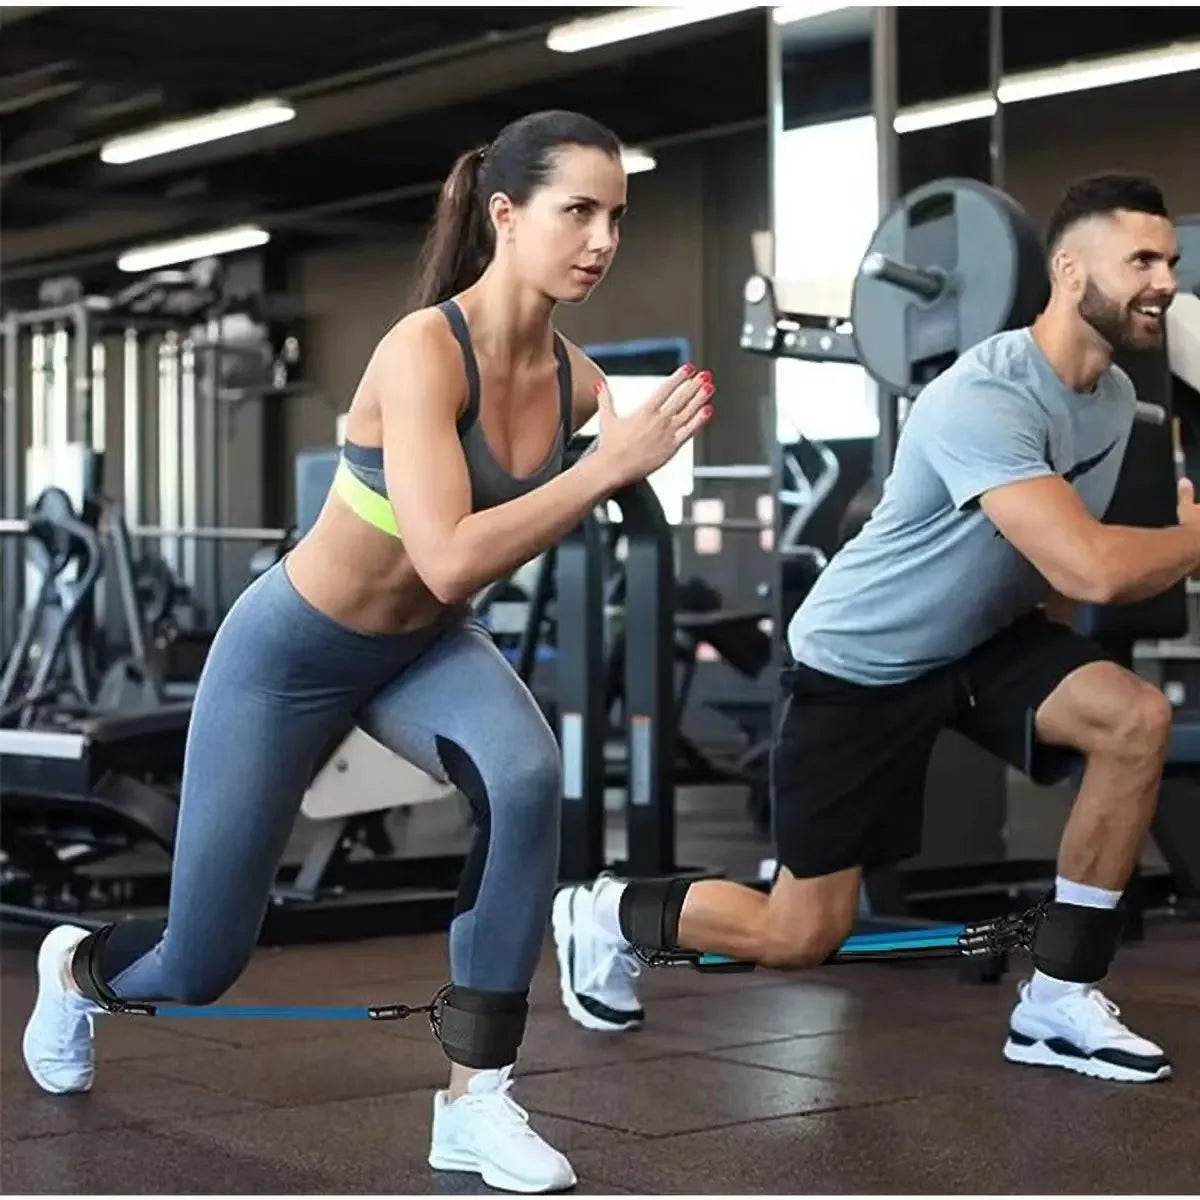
x: 992, y: 256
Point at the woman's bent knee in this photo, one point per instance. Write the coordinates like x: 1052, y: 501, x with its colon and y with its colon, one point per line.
x: 195, y: 981
x: 533, y: 784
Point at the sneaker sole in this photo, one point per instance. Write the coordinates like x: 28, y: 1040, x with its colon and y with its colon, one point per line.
x: 68, y: 935
x: 493, y: 1176
x: 561, y: 924
x: 1038, y: 1054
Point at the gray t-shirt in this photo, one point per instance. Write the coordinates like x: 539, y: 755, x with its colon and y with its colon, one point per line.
x: 929, y: 577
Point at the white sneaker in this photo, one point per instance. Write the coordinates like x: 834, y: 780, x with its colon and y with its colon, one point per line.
x: 595, y: 973
x: 487, y: 1132
x: 1080, y: 1032
x: 58, y: 1038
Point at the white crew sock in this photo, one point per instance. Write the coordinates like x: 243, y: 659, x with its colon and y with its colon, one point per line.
x: 606, y: 901
x: 1045, y: 989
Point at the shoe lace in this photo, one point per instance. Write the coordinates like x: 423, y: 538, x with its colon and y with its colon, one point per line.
x: 614, y: 960
x: 1102, y: 1004
x: 1092, y: 1008
x: 506, y: 1117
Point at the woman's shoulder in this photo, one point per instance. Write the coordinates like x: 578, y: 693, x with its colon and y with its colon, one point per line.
x: 424, y: 332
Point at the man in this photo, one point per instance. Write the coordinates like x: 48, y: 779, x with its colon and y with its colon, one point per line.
x: 938, y: 614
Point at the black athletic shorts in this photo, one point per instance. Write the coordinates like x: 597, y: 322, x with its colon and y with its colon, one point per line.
x: 848, y: 766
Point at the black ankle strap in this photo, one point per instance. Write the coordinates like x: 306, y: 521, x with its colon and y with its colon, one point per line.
x: 86, y: 972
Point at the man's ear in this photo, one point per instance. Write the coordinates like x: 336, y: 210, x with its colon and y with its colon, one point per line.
x: 1067, y: 270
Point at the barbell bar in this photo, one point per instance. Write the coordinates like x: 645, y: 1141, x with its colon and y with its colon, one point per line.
x: 927, y: 284
x: 19, y: 526
x: 211, y: 533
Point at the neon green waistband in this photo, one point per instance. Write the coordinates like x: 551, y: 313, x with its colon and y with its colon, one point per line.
x: 373, y: 508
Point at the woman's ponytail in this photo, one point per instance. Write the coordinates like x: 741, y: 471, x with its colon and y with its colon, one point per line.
x: 458, y: 247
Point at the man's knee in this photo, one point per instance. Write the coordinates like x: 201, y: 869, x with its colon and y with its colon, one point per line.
x: 1139, y: 728
x: 804, y: 946
x: 1105, y: 710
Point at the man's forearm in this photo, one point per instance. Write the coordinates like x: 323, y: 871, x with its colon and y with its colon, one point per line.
x: 1136, y: 564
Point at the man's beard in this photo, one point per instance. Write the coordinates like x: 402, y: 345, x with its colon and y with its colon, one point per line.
x: 1113, y: 321
x: 1108, y: 318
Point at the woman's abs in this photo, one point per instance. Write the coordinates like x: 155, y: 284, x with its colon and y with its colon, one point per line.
x: 359, y: 576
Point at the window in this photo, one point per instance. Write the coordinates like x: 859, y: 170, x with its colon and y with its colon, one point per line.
x: 826, y: 210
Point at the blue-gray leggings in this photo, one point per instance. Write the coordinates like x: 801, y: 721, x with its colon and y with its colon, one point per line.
x: 281, y: 683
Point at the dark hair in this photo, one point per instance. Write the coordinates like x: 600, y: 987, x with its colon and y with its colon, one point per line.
x: 1098, y: 195
x: 517, y: 163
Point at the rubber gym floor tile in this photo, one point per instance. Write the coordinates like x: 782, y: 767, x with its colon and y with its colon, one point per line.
x: 888, y: 1063
x: 553, y: 1042
x: 126, y: 1095
x: 373, y: 1063
x: 676, y: 1095
x: 374, y: 1145
x: 804, y: 1006
x: 140, y: 1163
x: 1167, y: 970
x: 1067, y: 1139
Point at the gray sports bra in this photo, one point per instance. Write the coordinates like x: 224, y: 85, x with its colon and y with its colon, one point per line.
x: 491, y: 484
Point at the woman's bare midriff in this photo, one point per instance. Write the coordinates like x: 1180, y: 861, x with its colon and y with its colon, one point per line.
x: 359, y: 576
x: 351, y: 571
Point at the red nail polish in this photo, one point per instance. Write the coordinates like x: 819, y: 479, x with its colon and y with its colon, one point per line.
x: 708, y: 411
x: 689, y: 370
x: 707, y: 390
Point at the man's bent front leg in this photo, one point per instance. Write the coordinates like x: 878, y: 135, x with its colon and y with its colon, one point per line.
x: 1122, y: 725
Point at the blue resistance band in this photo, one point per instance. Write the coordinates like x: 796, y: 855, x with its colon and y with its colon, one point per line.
x: 940, y: 937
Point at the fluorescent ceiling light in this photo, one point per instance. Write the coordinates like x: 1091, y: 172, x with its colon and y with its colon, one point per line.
x: 193, y: 131
x: 635, y: 161
x: 202, y: 245
x: 587, y: 33
x: 1053, y: 81
x: 949, y: 112
x: 789, y: 14
x: 1107, y: 72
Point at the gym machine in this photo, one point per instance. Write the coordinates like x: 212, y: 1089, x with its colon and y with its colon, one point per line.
x: 581, y: 691
x: 138, y: 392
x: 78, y: 789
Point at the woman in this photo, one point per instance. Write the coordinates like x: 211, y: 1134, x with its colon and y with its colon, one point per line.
x: 451, y: 477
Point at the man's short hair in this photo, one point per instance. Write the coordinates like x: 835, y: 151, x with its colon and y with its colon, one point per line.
x: 1099, y: 195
